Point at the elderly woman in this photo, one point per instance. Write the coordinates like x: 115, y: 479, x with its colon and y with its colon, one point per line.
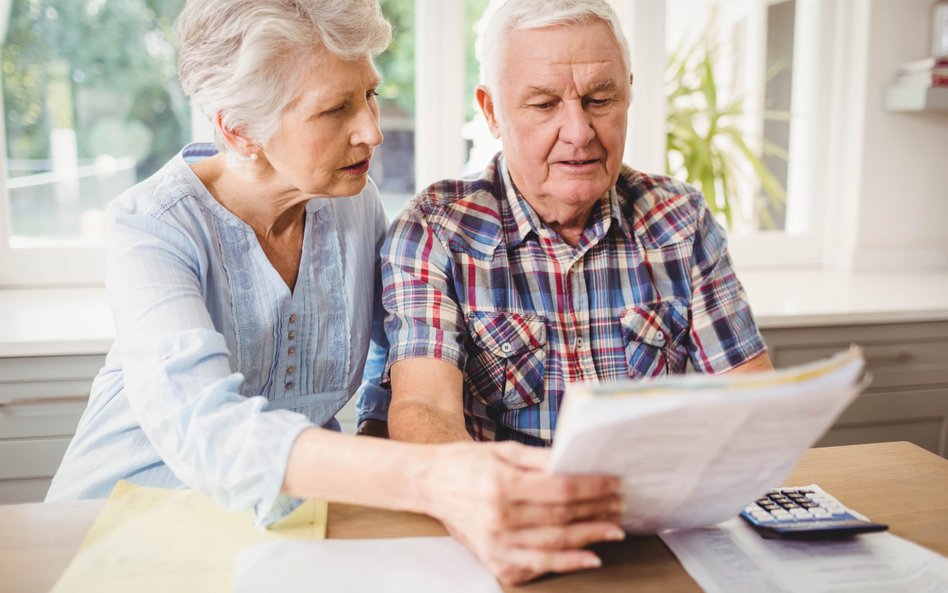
x: 241, y: 279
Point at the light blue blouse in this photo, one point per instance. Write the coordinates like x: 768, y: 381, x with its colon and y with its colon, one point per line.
x: 217, y: 367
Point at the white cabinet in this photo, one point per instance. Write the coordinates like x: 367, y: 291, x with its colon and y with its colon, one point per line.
x: 41, y: 400
x: 908, y: 397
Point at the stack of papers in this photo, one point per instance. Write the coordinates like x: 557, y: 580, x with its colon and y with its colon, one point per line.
x: 733, y: 558
x: 401, y: 565
x: 694, y: 450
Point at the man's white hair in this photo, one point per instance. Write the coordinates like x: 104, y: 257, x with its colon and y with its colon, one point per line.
x: 505, y: 16
x: 242, y: 58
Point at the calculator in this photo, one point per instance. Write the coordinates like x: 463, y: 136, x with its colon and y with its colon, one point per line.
x: 805, y: 513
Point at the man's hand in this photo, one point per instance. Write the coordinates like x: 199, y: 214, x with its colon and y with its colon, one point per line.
x: 521, y: 522
x: 373, y: 428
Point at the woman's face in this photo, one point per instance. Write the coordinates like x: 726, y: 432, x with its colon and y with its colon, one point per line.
x: 326, y: 137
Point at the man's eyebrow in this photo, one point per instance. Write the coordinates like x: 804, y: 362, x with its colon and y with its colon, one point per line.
x: 606, y: 84
x: 540, y: 90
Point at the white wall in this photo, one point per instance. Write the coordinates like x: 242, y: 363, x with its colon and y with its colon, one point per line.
x: 899, y: 214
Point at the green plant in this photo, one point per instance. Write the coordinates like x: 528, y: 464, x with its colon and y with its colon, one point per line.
x: 706, y: 147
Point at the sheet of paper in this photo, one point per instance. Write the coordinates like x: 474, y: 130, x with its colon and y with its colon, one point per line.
x: 154, y: 539
x: 694, y: 450
x: 732, y: 558
x: 403, y: 565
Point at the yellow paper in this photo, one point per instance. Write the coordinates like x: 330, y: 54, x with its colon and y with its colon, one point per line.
x: 154, y: 539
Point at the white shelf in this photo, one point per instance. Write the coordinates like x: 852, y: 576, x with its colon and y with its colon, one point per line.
x: 912, y: 98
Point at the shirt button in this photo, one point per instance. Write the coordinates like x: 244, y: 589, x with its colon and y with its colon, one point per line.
x: 290, y: 370
x: 292, y: 334
x: 291, y: 351
x: 288, y: 386
x: 506, y: 348
x: 293, y: 318
x: 579, y: 342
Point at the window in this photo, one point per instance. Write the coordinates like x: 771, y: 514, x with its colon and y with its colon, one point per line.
x: 748, y: 111
x: 90, y: 107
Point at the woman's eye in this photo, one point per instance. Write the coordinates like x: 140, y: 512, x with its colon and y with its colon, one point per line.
x: 373, y: 94
x: 336, y: 110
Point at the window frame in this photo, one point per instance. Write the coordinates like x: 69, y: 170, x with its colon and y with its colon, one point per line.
x: 829, y: 74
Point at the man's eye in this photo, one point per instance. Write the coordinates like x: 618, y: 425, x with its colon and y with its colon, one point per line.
x: 542, y: 106
x: 336, y: 110
x: 373, y: 94
x: 598, y: 102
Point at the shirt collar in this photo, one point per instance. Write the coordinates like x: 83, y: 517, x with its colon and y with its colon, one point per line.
x: 521, y: 219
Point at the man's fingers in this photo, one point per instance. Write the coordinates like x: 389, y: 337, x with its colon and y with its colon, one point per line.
x: 606, y: 509
x: 563, y: 538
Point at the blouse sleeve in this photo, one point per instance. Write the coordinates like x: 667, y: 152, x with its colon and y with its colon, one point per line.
x: 177, y: 374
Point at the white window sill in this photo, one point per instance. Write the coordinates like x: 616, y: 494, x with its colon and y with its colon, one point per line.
x: 815, y: 298
x: 55, y: 321
x: 72, y: 321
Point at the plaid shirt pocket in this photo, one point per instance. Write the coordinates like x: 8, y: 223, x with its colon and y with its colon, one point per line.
x: 654, y: 336
x: 506, y: 368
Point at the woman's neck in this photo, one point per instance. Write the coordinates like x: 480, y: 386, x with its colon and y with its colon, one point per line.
x: 254, y: 195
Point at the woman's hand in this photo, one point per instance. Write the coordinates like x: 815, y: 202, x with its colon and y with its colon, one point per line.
x: 520, y: 521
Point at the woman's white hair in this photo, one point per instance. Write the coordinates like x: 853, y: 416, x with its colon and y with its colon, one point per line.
x: 505, y: 16
x: 241, y: 58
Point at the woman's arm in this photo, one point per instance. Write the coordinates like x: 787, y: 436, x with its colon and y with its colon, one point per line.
x: 495, y: 498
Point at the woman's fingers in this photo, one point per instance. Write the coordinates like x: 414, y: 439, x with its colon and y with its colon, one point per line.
x: 518, y: 565
x: 566, y: 537
x: 537, y: 487
x: 521, y: 515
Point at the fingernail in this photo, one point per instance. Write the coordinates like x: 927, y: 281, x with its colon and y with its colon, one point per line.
x: 615, y: 534
x: 593, y: 562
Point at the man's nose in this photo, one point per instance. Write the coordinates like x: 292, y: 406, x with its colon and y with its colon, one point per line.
x: 576, y: 125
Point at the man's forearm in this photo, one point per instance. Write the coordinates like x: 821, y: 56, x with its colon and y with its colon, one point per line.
x: 421, y: 423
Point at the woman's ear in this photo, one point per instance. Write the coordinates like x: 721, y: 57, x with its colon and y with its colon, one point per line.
x: 236, y: 139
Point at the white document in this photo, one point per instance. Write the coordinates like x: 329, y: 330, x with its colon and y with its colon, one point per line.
x: 693, y: 450
x: 732, y: 558
x: 402, y: 565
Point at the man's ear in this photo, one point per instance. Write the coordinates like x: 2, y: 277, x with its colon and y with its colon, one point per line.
x: 236, y: 139
x: 484, y: 99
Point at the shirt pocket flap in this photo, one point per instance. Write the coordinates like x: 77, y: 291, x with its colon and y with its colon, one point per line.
x: 660, y: 324
x: 506, y: 334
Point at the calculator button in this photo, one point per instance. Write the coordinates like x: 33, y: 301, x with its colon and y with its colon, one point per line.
x: 821, y: 513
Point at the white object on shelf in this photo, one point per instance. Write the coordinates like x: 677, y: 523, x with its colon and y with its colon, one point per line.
x: 916, y: 98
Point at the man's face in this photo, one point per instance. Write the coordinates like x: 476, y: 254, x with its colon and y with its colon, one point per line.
x: 560, y: 111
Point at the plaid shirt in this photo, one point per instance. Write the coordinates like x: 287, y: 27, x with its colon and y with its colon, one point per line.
x: 473, y: 277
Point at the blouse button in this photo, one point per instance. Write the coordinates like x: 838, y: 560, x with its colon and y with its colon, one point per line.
x: 293, y: 318
x: 290, y: 370
x: 660, y: 336
x: 291, y: 351
x: 288, y: 386
x: 506, y: 348
x: 292, y: 334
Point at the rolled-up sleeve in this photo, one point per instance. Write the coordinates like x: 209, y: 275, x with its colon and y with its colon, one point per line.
x: 423, y: 318
x: 723, y: 332
x: 178, y: 380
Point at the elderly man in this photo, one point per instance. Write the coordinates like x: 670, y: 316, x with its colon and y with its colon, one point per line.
x: 556, y: 263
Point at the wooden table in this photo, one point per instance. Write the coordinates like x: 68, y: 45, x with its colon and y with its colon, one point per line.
x: 895, y: 483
